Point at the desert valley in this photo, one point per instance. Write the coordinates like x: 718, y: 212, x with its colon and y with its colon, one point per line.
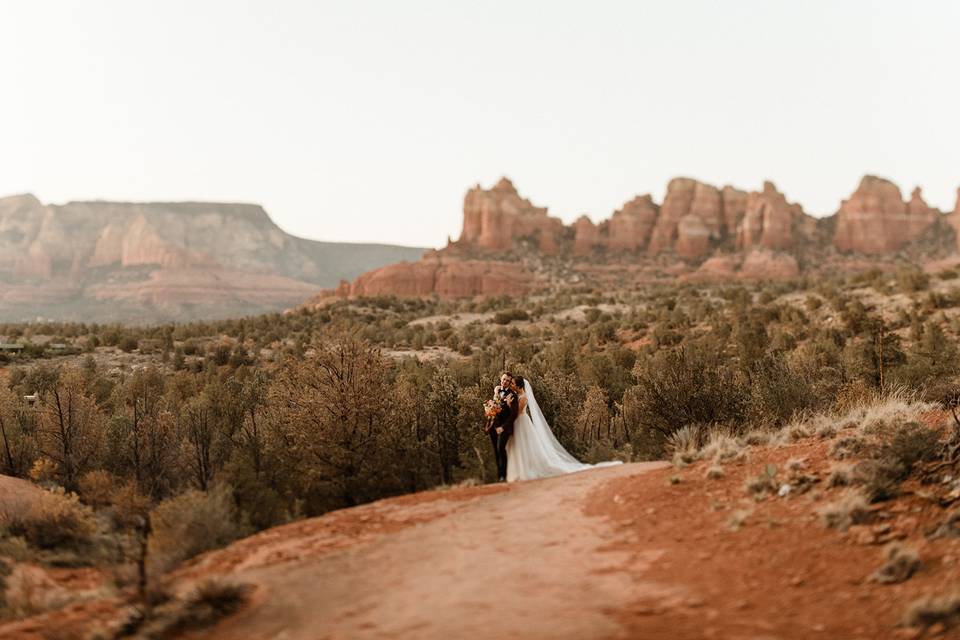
x: 781, y: 387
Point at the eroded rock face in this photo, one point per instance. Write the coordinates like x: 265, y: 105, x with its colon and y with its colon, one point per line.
x: 161, y: 259
x: 631, y: 225
x: 875, y: 219
x: 446, y: 278
x: 627, y: 230
x: 763, y: 264
x: 769, y: 221
x: 693, y: 236
x: 587, y: 237
x: 494, y: 219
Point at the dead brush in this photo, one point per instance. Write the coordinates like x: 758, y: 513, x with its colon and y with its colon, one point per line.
x: 684, y: 444
x: 850, y: 509
x: 930, y: 610
x: 841, y: 475
x: 763, y: 484
x: 900, y: 563
x: 722, y: 447
x: 798, y: 478
x: 208, y: 604
x: 714, y: 472
x: 848, y: 447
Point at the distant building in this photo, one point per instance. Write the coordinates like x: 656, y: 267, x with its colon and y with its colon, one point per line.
x: 11, y: 347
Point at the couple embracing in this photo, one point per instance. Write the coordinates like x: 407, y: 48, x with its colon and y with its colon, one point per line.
x: 524, y: 445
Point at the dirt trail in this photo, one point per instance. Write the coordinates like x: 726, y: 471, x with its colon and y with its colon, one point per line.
x: 517, y: 561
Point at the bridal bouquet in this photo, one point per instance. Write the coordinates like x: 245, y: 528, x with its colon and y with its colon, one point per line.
x: 491, y: 408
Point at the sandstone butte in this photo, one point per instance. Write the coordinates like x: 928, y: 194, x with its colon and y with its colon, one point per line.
x: 699, y: 232
x: 120, y: 261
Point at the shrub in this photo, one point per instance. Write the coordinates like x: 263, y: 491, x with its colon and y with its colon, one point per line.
x: 900, y: 563
x: 508, y: 316
x: 910, y: 444
x: 53, y: 521
x: 204, y: 607
x: 777, y: 392
x: 848, y: 447
x: 880, y: 479
x: 764, y: 483
x: 931, y: 610
x: 688, y: 386
x: 130, y: 506
x: 911, y: 280
x: 96, y: 487
x: 840, y: 476
x: 849, y: 510
x: 190, y: 524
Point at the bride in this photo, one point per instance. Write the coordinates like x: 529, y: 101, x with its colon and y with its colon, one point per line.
x: 533, y: 451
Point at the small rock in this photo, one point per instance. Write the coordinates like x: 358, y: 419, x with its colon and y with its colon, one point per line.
x: 796, y: 581
x: 784, y: 490
x: 908, y: 524
x: 819, y: 628
x: 907, y: 633
x: 936, y: 629
x: 861, y: 534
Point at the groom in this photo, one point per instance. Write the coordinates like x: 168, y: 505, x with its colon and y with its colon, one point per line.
x: 500, y: 427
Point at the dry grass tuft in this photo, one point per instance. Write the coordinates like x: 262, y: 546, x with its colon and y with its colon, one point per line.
x: 722, y: 447
x: 848, y: 447
x: 763, y: 484
x: 208, y: 604
x: 739, y: 518
x: 714, y: 472
x: 684, y: 443
x: 850, y: 509
x: 841, y: 475
x: 931, y: 610
x: 900, y: 563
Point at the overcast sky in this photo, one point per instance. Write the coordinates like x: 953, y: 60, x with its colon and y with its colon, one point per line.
x: 367, y: 121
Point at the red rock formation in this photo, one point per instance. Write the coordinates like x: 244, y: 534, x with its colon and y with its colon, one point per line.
x: 716, y: 268
x: 769, y: 221
x: 446, y: 278
x: 875, y: 220
x: 693, y: 237
x: 734, y: 207
x: 495, y: 219
x: 689, y: 208
x: 160, y: 261
x: 628, y: 229
x: 586, y: 238
x: 675, y: 206
x: 762, y: 264
x: 631, y: 225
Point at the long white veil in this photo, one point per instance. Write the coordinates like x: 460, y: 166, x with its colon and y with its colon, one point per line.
x: 534, y: 452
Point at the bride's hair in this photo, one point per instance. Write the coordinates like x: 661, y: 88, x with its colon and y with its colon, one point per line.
x: 519, y: 382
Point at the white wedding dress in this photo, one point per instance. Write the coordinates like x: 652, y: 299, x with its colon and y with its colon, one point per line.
x: 533, y: 451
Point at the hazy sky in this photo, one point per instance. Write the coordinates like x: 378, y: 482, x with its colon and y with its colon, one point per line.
x: 367, y: 121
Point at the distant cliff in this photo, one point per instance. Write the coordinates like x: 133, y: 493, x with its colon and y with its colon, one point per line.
x: 106, y: 261
x: 699, y: 231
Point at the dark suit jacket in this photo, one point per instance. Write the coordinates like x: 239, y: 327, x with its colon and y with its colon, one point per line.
x: 509, y: 413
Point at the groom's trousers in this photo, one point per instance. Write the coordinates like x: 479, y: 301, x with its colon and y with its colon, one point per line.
x: 499, y: 441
